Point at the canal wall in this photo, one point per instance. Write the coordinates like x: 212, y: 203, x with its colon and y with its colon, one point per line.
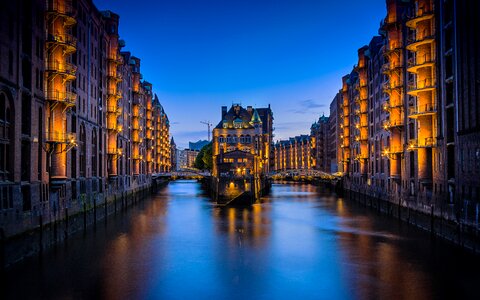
x: 438, y: 220
x: 44, y: 231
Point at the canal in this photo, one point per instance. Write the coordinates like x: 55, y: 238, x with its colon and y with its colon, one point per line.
x: 301, y: 242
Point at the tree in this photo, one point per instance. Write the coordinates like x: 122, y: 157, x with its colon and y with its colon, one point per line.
x: 204, y: 160
x: 199, y: 161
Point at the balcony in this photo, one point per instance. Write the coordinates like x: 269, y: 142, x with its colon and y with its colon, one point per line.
x: 68, y: 98
x: 137, y: 157
x: 389, y: 67
x: 61, y: 137
x: 390, y: 86
x: 389, y: 125
x: 394, y: 48
x: 361, y: 156
x: 114, y: 109
x: 428, y: 142
x: 421, y: 14
x: 114, y: 92
x: 418, y: 86
x: 392, y: 150
x: 115, y: 76
x: 115, y: 151
x: 115, y: 59
x: 414, y: 41
x: 389, y: 105
x: 419, y: 62
x: 422, y: 110
x: 65, y: 69
x: 61, y: 8
x: 388, y: 23
x: 65, y: 40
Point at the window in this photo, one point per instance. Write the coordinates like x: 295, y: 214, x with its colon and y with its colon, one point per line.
x: 26, y: 116
x: 94, y: 152
x: 10, y: 62
x: 83, y: 151
x: 40, y: 143
x: 5, y: 138
x: 25, y: 161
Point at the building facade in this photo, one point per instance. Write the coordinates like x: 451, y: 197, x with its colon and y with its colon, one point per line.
x: 409, y: 111
x: 78, y: 124
x: 248, y: 131
x: 294, y: 153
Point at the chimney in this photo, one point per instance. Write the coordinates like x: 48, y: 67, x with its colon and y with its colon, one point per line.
x: 249, y: 109
x: 224, y: 111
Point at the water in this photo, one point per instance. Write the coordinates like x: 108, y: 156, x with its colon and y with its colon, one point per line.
x: 299, y: 243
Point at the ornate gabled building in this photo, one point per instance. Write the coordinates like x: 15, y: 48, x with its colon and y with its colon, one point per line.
x: 242, y: 147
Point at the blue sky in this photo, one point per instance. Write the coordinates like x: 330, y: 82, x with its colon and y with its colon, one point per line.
x: 202, y: 54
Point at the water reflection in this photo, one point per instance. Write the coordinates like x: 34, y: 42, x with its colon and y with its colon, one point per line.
x: 299, y: 242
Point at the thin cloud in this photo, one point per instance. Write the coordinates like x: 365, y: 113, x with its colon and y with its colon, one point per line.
x: 307, y: 106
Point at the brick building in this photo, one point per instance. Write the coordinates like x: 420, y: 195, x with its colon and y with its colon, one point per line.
x: 410, y: 109
x: 294, y: 153
x: 78, y: 125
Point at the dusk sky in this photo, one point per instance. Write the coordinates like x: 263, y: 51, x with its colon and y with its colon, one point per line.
x: 202, y: 54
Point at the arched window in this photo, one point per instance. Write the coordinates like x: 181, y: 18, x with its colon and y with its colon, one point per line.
x: 83, y: 151
x: 229, y: 139
x: 6, y: 131
x: 248, y: 139
x: 94, y: 152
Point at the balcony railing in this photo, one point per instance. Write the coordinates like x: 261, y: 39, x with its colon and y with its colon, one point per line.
x: 115, y: 151
x: 420, y: 61
x: 361, y: 156
x: 419, y: 15
x: 393, y: 150
x: 65, y: 39
x: 65, y: 68
x: 416, y: 86
x: 387, y: 125
x: 114, y: 109
x: 415, y: 40
x: 422, y: 110
x: 428, y: 142
x: 115, y: 75
x: 60, y: 137
x: 61, y: 7
x: 114, y: 92
x: 116, y: 59
x: 392, y: 48
x: 387, y: 23
x: 68, y: 98
x: 389, y: 86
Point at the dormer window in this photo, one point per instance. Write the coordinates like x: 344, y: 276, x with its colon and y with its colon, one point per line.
x: 237, y: 123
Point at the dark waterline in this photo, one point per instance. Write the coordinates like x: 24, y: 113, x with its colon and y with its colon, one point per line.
x: 299, y: 243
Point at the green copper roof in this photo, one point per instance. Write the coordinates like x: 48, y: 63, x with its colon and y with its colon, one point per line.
x: 256, y: 117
